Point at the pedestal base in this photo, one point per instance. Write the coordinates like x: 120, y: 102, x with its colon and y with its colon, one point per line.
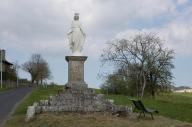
x: 76, y: 72
x: 76, y: 85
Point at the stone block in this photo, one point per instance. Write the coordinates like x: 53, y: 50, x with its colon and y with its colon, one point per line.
x: 30, y: 113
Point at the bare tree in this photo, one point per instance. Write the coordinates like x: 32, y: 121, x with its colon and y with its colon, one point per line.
x: 44, y: 72
x: 140, y: 57
x: 38, y: 68
x: 159, y: 70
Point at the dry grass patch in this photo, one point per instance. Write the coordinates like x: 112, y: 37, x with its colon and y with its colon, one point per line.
x: 92, y: 120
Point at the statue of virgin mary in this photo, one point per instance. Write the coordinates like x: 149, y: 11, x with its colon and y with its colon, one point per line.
x: 76, y: 36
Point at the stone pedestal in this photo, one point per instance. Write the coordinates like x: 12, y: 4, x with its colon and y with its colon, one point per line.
x: 76, y: 72
x: 76, y: 97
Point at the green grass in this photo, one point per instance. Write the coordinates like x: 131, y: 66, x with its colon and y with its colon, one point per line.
x: 176, y: 106
x: 98, y: 91
x: 37, y: 94
x: 3, y: 89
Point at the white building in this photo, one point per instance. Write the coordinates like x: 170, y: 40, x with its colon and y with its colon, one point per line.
x: 183, y: 91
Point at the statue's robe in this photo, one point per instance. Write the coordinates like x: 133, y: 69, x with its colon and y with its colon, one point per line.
x: 76, y: 37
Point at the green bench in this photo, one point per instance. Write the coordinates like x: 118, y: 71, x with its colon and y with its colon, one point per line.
x: 142, y: 109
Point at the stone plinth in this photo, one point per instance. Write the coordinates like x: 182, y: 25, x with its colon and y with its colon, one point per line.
x: 76, y: 72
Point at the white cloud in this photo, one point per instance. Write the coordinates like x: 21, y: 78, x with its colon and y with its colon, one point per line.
x: 29, y: 26
x: 177, y: 36
x: 182, y: 2
x: 42, y: 25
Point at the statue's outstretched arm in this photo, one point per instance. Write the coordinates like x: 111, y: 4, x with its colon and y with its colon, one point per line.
x: 70, y: 32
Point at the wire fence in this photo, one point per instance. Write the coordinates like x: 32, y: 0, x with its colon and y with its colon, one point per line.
x: 11, y: 84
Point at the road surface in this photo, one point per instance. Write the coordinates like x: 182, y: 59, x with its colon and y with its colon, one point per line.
x: 9, y: 99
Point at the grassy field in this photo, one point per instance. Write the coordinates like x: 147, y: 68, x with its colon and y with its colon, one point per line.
x: 3, y: 89
x: 175, y: 106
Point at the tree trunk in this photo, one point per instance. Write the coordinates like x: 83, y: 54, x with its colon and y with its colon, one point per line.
x: 153, y: 87
x: 153, y: 92
x: 32, y: 79
x: 41, y: 81
x: 144, y: 84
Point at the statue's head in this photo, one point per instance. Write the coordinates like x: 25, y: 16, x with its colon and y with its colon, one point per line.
x: 76, y: 17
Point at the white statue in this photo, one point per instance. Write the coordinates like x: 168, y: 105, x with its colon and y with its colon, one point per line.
x: 76, y: 36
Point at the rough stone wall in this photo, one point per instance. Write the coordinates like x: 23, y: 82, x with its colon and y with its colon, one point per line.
x: 75, y: 100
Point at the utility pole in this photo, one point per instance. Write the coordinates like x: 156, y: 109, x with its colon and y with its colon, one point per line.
x: 1, y: 69
x: 17, y: 80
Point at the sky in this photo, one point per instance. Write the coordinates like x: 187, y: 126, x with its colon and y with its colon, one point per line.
x: 41, y: 26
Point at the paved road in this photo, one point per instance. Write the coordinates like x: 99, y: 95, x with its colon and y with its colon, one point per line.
x: 9, y: 99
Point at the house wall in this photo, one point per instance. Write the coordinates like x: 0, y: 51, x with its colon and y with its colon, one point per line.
x: 2, y: 54
x: 4, y: 66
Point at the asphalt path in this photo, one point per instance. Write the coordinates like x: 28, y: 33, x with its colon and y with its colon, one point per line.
x: 9, y: 99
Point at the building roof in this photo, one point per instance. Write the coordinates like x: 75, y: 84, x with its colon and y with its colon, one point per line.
x: 6, y: 62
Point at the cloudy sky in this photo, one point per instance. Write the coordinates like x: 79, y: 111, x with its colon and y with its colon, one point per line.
x: 40, y: 26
